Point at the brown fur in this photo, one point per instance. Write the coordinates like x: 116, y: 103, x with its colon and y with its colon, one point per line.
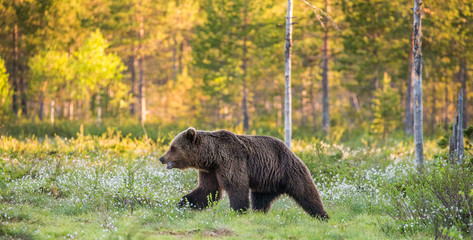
x: 239, y: 164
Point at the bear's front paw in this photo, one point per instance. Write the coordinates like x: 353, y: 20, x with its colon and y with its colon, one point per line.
x: 189, y: 202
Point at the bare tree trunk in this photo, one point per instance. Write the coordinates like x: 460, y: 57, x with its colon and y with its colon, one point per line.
x: 434, y: 107
x: 99, y: 110
x: 246, y: 122
x: 52, y: 112
x: 456, y: 148
x: 375, y: 70
x: 312, y: 104
x: 445, y: 109
x: 408, y: 115
x: 179, y: 57
x: 15, y: 73
x: 132, y: 64
x: 79, y: 107
x: 174, y: 59
x: 354, y: 102
x: 71, y: 110
x: 460, y: 146
x: 287, y: 73
x: 23, y: 96
x: 86, y: 109
x: 302, y: 103
x: 244, y: 66
x: 464, y: 71
x: 41, y: 102
x: 141, y: 84
x: 41, y: 109
x: 418, y: 124
x: 65, y: 109
x: 325, y: 98
x: 281, y: 111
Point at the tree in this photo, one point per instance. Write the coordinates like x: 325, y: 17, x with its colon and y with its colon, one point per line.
x: 222, y: 51
x: 4, y: 89
x: 50, y: 75
x: 85, y: 74
x: 408, y: 113
x: 96, y: 71
x: 374, y: 41
x: 287, y: 74
x: 418, y: 124
x: 325, y: 71
x: 386, y: 108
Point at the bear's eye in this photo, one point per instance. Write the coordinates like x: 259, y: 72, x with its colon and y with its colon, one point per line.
x: 173, y: 149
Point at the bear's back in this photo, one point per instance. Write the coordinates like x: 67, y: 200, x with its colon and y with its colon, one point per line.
x: 268, y: 162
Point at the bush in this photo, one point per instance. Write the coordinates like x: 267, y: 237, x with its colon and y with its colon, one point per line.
x: 440, y: 199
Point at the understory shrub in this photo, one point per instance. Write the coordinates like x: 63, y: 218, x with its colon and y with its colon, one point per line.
x: 439, y: 199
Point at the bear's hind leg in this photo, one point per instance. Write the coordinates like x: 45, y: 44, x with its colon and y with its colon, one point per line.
x: 262, y: 201
x: 309, y: 199
x: 205, y: 194
x: 239, y: 200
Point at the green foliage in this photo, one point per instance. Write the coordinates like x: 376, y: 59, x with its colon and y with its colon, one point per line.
x: 375, y: 41
x: 386, y: 109
x: 468, y: 133
x: 96, y: 69
x: 438, y: 199
x: 217, y: 49
x: 443, y: 142
x: 81, y: 75
x: 50, y: 72
x: 5, y: 91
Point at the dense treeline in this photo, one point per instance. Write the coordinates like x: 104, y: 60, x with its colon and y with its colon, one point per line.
x: 220, y: 63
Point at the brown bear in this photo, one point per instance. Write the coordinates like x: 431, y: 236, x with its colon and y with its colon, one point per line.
x: 240, y: 164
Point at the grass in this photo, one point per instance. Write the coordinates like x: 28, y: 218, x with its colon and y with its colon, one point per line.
x: 112, y: 187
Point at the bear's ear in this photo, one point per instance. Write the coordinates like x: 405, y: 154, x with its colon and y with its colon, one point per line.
x: 191, y: 134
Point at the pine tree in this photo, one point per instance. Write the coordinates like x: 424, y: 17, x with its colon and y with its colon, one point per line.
x: 221, y: 52
x: 386, y: 109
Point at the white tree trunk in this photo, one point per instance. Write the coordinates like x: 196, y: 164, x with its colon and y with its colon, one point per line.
x: 456, y: 147
x: 287, y: 73
x: 418, y: 126
x: 408, y: 115
x: 461, y: 118
x: 71, y: 110
x: 141, y: 81
x: 51, y: 112
x: 325, y: 98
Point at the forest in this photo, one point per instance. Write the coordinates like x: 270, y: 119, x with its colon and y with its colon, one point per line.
x: 214, y: 63
x: 93, y: 91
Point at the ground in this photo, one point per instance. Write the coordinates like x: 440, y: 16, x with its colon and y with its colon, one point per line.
x: 114, y: 187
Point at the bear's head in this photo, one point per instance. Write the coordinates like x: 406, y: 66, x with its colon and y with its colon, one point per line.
x: 182, y: 151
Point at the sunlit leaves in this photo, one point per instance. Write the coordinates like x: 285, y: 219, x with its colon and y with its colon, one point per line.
x: 4, y: 89
x: 387, y: 110
x: 81, y: 74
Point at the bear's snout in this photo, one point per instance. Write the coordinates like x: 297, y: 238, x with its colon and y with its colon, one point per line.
x: 161, y: 159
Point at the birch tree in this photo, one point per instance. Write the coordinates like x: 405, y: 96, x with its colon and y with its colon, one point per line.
x: 141, y: 81
x: 287, y: 74
x: 408, y: 113
x: 418, y: 126
x: 325, y: 98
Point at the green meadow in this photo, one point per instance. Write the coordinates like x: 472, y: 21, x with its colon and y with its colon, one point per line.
x: 111, y: 186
